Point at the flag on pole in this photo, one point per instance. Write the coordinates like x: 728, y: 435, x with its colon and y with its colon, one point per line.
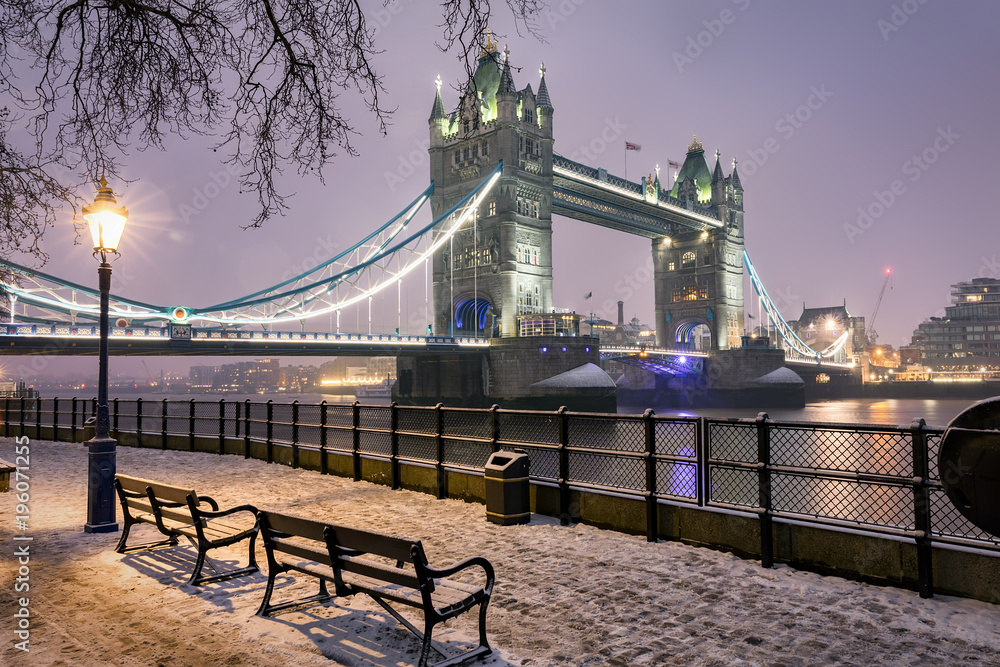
x: 589, y: 294
x: 676, y: 165
x: 629, y: 146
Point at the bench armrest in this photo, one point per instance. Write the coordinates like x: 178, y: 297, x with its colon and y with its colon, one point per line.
x: 436, y: 573
x: 231, y: 510
x: 211, y: 501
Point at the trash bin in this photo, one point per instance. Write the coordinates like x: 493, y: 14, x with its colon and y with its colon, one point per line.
x: 89, y: 428
x: 507, y: 498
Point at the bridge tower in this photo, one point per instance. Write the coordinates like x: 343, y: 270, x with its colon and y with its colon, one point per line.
x: 699, y: 275
x: 500, y: 265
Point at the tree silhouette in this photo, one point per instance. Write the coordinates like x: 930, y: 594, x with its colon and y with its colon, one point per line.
x: 92, y: 80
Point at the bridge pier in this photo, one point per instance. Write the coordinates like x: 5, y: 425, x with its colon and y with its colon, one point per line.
x: 536, y: 373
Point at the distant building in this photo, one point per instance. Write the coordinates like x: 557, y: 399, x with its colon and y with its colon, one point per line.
x: 253, y: 376
x: 202, y: 377
x: 382, y: 367
x: 967, y: 338
x: 819, y: 328
x: 297, y: 378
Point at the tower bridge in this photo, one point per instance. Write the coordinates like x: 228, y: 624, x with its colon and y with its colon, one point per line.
x: 483, y: 261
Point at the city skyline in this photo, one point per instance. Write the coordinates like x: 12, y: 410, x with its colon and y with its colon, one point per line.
x: 862, y: 131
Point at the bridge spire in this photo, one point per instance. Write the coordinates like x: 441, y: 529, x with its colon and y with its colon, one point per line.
x: 437, y: 111
x: 506, y: 80
x: 542, y: 100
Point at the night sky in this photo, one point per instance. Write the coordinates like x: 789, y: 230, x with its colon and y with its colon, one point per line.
x: 886, y: 107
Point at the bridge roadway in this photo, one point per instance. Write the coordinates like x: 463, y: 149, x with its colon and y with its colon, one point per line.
x: 66, y: 339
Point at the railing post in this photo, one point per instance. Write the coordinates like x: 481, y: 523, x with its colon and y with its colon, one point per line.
x: 20, y: 431
x: 764, y: 489
x: 494, y: 428
x: 6, y: 416
x: 191, y: 426
x: 55, y: 419
x: 138, y: 422
x: 222, y: 426
x: 439, y: 448
x: 163, y: 425
x: 323, y: 464
x: 269, y: 443
x: 394, y: 444
x: 356, y: 440
x: 72, y: 420
x: 295, y: 434
x: 115, y: 427
x: 38, y: 418
x: 564, y: 515
x: 246, y: 429
x: 701, y: 460
x: 652, y: 518
x: 921, y: 509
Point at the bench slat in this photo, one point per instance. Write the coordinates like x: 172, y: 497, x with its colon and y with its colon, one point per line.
x: 295, y: 525
x: 375, y: 570
x: 396, y: 548
x: 302, y: 550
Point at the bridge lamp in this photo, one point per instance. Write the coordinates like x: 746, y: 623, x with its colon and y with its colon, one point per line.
x: 107, y: 222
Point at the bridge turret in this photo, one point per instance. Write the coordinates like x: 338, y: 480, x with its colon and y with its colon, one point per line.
x: 506, y: 93
x: 734, y: 183
x: 544, y: 104
x: 718, y: 183
x: 438, y: 120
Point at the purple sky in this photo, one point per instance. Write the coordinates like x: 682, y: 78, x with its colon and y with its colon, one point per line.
x: 884, y: 86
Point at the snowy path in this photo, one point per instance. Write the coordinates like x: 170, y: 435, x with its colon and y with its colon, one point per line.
x: 565, y: 595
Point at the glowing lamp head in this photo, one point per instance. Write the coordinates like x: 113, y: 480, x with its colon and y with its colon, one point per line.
x: 106, y: 220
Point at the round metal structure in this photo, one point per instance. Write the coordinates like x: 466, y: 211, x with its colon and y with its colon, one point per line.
x: 969, y: 464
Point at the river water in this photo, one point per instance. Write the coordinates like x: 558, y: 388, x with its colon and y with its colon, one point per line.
x: 893, y: 412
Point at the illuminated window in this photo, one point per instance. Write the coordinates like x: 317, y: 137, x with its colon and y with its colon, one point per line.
x: 493, y: 204
x: 687, y: 260
x: 671, y: 266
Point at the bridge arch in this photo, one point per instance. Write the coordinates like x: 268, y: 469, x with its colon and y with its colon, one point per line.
x: 689, y: 334
x: 473, y: 315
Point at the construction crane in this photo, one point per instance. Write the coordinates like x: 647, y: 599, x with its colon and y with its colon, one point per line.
x: 872, y: 334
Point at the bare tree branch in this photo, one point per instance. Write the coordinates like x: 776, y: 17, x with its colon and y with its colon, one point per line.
x: 263, y: 76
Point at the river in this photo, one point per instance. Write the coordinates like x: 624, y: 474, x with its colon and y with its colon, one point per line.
x: 893, y: 412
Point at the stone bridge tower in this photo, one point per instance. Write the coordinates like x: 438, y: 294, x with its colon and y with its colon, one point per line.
x: 499, y: 266
x: 699, y: 275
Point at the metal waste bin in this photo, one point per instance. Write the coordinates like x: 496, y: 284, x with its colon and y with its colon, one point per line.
x: 507, y: 499
x: 89, y: 428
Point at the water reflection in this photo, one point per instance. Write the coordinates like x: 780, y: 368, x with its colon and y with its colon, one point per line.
x: 892, y: 412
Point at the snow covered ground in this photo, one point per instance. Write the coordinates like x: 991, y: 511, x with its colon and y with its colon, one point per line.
x: 564, y: 596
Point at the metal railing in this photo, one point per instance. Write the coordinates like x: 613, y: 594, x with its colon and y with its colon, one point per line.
x: 871, y: 478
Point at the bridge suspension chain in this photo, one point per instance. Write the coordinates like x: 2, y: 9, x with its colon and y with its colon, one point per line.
x: 380, y: 260
x: 788, y: 335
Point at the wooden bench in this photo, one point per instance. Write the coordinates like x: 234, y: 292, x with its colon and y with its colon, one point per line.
x: 390, y: 569
x: 176, y: 511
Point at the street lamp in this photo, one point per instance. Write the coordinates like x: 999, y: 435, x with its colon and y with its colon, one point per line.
x: 107, y: 222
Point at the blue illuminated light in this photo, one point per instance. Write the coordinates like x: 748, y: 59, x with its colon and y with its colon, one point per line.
x: 564, y: 349
x: 683, y: 360
x: 545, y: 350
x: 587, y: 349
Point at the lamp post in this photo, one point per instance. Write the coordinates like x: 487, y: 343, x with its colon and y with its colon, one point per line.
x: 107, y: 222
